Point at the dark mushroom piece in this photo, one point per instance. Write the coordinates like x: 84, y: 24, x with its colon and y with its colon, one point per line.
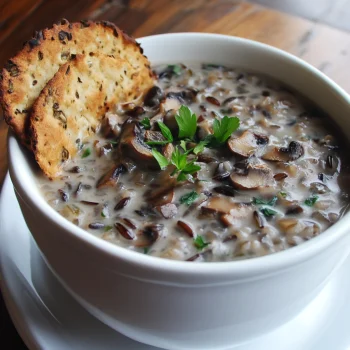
x: 111, y: 177
x: 285, y: 154
x: 225, y: 190
x: 294, y: 210
x: 186, y: 96
x: 132, y: 144
x: 247, y: 144
x: 168, y: 150
x: 204, y: 129
x: 256, y: 176
x: 148, y: 235
x: 153, y: 97
x: 223, y: 171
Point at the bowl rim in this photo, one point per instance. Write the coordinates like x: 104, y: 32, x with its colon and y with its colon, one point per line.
x: 239, y: 268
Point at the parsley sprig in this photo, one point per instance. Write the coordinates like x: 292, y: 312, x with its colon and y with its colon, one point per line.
x: 187, y: 122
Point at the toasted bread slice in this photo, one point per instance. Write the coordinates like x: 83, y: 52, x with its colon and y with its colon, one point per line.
x: 73, y: 103
x: 26, y: 74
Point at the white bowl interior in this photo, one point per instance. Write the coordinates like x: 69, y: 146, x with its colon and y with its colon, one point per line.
x: 230, y: 51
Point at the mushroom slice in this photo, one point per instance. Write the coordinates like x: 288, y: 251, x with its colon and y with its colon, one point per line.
x: 168, y: 150
x: 247, y: 144
x: 303, y: 228
x: 204, y: 129
x: 285, y: 154
x: 225, y: 206
x: 132, y: 144
x: 167, y: 210
x: 110, y: 178
x: 257, y: 176
x: 113, y: 123
x: 148, y: 235
x: 170, y: 104
x: 154, y: 136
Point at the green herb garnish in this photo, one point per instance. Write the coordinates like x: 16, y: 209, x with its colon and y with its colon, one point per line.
x: 183, y: 166
x: 107, y: 228
x: 175, y: 68
x: 224, y: 128
x: 146, y: 123
x: 162, y: 161
x: 283, y: 194
x: 259, y: 201
x: 189, y: 198
x: 145, y: 250
x: 166, y: 132
x: 200, y: 147
x: 268, y: 212
x: 187, y: 122
x: 311, y: 201
x: 103, y: 214
x: 199, y: 242
x: 86, y: 153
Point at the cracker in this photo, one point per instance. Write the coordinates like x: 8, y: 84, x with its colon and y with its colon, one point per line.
x: 73, y: 103
x: 26, y: 74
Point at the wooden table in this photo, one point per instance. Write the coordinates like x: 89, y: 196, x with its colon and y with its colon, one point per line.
x: 324, y: 47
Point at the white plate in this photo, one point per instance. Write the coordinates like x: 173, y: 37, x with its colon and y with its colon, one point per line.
x: 47, y: 317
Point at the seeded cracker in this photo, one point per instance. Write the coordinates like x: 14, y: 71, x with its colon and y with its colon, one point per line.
x: 26, y: 74
x: 73, y: 103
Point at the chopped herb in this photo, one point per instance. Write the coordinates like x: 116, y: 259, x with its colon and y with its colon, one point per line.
x: 162, y: 161
x: 175, y: 68
x: 187, y: 122
x: 199, y: 242
x: 268, y: 212
x: 183, y: 145
x: 103, y: 214
x: 166, y: 132
x: 283, y: 194
x: 86, y: 153
x: 223, y: 129
x: 145, y: 250
x: 259, y: 201
x: 189, y: 198
x: 108, y: 228
x: 146, y: 123
x: 180, y: 161
x: 311, y: 201
x: 200, y: 147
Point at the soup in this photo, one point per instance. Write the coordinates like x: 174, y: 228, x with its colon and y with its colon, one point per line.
x: 215, y: 164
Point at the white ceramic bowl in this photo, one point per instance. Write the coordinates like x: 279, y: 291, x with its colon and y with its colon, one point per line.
x: 182, y: 305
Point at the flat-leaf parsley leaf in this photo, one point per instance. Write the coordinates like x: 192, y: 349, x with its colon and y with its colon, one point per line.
x: 189, y: 198
x: 311, y: 201
x: 187, y: 122
x: 199, y: 242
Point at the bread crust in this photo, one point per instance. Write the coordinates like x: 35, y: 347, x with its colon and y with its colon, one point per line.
x: 73, y: 103
x: 26, y: 74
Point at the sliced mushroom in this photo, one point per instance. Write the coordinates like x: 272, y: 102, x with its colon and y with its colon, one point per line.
x: 132, y: 144
x: 148, y: 235
x: 204, y: 129
x: 170, y: 104
x: 186, y: 96
x: 153, y: 97
x: 154, y: 136
x: 285, y: 154
x: 167, y: 210
x: 225, y: 206
x: 222, y: 171
x: 257, y: 176
x: 112, y: 124
x: 302, y: 228
x: 227, y: 220
x: 111, y: 177
x: 247, y: 144
x: 225, y: 190
x: 168, y: 150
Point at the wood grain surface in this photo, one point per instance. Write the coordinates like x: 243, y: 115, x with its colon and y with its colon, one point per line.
x: 325, y: 47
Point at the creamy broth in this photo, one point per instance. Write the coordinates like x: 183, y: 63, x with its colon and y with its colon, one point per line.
x: 274, y: 184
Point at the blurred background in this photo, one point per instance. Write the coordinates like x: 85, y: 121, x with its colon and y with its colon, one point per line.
x: 315, y: 30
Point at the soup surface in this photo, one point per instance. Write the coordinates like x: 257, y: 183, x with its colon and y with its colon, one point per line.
x: 215, y: 164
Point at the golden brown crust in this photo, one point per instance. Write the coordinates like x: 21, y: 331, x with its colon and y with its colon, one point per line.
x: 26, y: 74
x: 75, y: 100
